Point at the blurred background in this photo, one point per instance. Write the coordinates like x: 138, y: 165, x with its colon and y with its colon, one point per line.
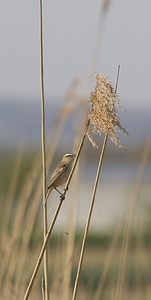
x: 80, y: 38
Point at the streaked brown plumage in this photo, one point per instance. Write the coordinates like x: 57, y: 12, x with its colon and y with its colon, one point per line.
x: 61, y: 173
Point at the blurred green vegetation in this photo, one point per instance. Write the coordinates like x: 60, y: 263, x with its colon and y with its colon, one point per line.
x: 98, y: 240
x: 7, y: 167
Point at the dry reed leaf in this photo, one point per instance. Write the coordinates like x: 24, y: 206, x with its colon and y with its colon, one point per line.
x: 103, y: 114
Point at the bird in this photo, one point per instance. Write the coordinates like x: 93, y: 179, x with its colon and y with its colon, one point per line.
x: 61, y: 173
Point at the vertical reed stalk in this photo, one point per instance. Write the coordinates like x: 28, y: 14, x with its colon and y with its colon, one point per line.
x: 89, y: 218
x: 46, y: 284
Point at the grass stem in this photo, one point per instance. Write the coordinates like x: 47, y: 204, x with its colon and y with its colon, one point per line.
x: 88, y: 219
x: 46, y: 281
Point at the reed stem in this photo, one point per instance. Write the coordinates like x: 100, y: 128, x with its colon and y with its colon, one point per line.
x: 46, y: 281
x: 89, y: 218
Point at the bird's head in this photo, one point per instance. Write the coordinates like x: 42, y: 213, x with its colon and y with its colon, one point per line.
x: 69, y: 157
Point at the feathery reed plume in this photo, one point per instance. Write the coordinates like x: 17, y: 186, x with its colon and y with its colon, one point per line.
x: 103, y: 113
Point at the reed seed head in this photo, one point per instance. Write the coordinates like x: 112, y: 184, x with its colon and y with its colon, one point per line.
x: 103, y: 114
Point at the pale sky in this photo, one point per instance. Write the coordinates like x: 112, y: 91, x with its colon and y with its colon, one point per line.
x: 71, y: 29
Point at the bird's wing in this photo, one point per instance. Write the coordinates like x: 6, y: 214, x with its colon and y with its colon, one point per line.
x: 55, y: 175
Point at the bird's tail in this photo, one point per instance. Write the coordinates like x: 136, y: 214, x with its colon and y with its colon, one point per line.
x: 48, y: 193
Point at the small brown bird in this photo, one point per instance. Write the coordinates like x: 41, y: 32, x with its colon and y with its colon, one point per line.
x: 61, y: 173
